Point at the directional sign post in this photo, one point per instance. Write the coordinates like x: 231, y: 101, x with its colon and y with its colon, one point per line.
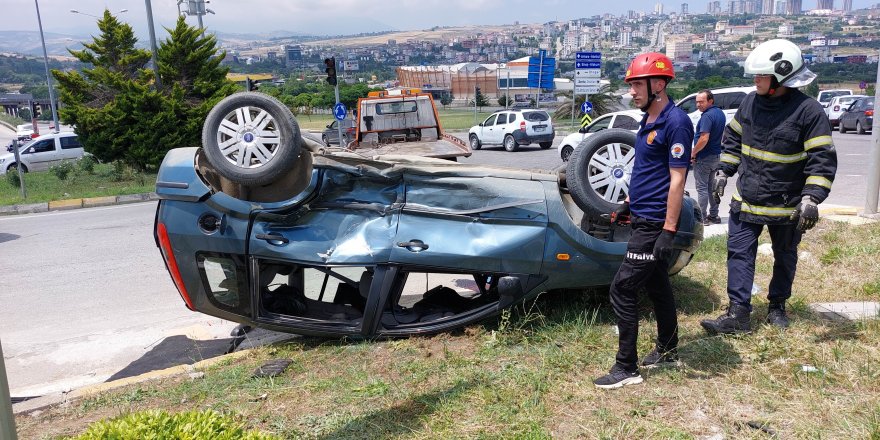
x: 540, y: 76
x: 588, y: 70
x: 339, y: 113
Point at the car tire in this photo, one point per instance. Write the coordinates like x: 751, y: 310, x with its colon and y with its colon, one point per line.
x: 842, y: 128
x: 475, y: 142
x: 325, y: 141
x: 545, y: 145
x: 270, y: 147
x: 565, y: 153
x: 617, y: 148
x: 859, y: 128
x: 14, y: 167
x: 510, y: 143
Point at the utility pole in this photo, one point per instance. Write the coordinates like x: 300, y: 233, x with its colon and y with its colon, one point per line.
x: 874, y: 169
x: 7, y: 419
x: 48, y: 75
x: 153, y: 42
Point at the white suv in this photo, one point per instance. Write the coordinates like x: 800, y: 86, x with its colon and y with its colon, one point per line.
x: 44, y: 152
x: 727, y: 99
x: 512, y: 128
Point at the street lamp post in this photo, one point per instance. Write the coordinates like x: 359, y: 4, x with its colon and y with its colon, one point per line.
x: 48, y: 75
x: 74, y: 11
x: 153, y: 42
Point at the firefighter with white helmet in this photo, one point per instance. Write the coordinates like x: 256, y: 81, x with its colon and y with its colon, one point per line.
x: 780, y: 143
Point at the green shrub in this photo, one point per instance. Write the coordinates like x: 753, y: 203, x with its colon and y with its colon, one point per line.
x: 87, y: 164
x: 13, y: 179
x: 62, y: 170
x: 155, y: 424
x: 123, y: 172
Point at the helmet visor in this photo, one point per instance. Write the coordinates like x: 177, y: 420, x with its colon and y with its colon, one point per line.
x: 800, y: 79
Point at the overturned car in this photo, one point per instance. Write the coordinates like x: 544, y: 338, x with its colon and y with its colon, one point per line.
x: 351, y: 243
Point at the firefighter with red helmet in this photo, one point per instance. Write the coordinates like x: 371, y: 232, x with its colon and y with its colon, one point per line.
x: 656, y: 190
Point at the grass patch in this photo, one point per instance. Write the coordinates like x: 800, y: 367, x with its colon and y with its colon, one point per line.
x: 528, y: 373
x: 104, y: 180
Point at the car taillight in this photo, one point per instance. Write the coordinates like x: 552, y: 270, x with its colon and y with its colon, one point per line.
x: 171, y: 262
x: 350, y: 130
x: 522, y: 125
x: 836, y: 108
x: 869, y: 112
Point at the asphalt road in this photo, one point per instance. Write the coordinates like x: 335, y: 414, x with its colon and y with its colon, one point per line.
x: 85, y: 294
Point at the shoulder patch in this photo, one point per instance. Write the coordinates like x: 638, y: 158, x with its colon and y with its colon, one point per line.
x: 677, y: 151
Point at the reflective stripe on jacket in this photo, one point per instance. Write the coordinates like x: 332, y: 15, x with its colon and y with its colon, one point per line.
x: 782, y: 149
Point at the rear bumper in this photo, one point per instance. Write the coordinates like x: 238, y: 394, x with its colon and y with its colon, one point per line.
x: 524, y: 138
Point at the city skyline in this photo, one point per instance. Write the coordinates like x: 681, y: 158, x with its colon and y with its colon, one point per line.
x: 337, y: 17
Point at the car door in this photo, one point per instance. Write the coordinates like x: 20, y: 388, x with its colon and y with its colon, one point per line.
x: 40, y: 155
x: 70, y: 148
x: 728, y: 103
x: 487, y: 130
x: 331, y: 133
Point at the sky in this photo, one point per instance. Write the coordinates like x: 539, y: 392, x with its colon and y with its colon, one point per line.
x: 325, y: 17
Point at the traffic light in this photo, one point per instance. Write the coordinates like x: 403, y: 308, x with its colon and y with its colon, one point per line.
x: 37, y: 111
x: 331, y: 70
x: 477, y: 92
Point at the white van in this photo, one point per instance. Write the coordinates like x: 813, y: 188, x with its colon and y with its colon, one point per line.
x: 43, y: 152
x: 825, y: 96
x: 727, y: 99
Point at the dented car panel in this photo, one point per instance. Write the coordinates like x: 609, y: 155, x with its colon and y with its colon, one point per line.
x: 381, y: 246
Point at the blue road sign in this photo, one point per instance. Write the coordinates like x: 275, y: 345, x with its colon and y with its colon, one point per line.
x: 339, y: 111
x: 543, y: 70
x: 588, y: 56
x: 586, y: 107
x: 587, y: 64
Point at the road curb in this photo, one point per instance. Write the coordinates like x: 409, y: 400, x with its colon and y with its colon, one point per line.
x: 67, y: 204
x: 50, y: 400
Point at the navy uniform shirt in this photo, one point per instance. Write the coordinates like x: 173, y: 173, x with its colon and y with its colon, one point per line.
x: 663, y: 144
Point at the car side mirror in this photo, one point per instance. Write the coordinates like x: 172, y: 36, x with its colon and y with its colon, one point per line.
x: 582, y: 130
x: 510, y: 290
x: 481, y: 124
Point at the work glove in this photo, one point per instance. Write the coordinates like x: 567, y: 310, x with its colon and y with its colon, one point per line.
x: 663, y: 246
x: 806, y: 214
x: 718, y: 185
x: 621, y: 215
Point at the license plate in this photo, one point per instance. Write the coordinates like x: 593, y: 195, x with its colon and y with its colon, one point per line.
x: 539, y: 128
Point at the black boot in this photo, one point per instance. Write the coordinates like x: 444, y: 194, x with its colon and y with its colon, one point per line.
x: 736, y: 320
x: 776, y: 315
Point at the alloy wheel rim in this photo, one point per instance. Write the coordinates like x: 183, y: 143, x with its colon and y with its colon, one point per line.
x: 609, y: 171
x: 249, y: 137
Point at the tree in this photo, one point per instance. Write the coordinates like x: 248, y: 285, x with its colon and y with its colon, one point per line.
x: 480, y: 99
x: 446, y: 99
x: 118, y: 111
x: 503, y: 101
x: 605, y: 101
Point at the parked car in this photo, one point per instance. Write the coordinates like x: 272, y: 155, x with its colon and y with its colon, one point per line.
x: 727, y: 99
x: 859, y: 116
x: 824, y: 97
x: 626, y: 119
x: 24, y: 132
x: 349, y: 245
x: 512, y: 128
x: 838, y: 106
x: 44, y: 152
x: 331, y: 133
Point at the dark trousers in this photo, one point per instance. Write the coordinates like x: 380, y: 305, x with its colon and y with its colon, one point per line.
x: 640, y: 269
x: 742, y: 249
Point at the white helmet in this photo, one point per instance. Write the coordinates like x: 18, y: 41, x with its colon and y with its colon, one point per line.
x: 782, y: 59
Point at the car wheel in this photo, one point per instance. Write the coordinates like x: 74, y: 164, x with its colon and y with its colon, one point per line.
x: 859, y: 128
x: 565, y: 153
x: 599, y: 170
x: 545, y: 145
x: 251, y: 138
x: 475, y: 142
x: 14, y: 167
x: 842, y: 128
x: 325, y: 141
x: 510, y: 143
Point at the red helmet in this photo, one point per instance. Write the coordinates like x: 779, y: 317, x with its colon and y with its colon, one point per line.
x: 650, y: 64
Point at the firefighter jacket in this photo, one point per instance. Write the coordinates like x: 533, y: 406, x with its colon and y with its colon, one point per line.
x: 782, y: 149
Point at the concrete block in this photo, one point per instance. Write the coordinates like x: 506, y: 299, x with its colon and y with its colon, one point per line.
x: 32, y: 208
x: 132, y: 198
x: 8, y: 209
x: 847, y: 311
x: 59, y: 205
x: 98, y: 201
